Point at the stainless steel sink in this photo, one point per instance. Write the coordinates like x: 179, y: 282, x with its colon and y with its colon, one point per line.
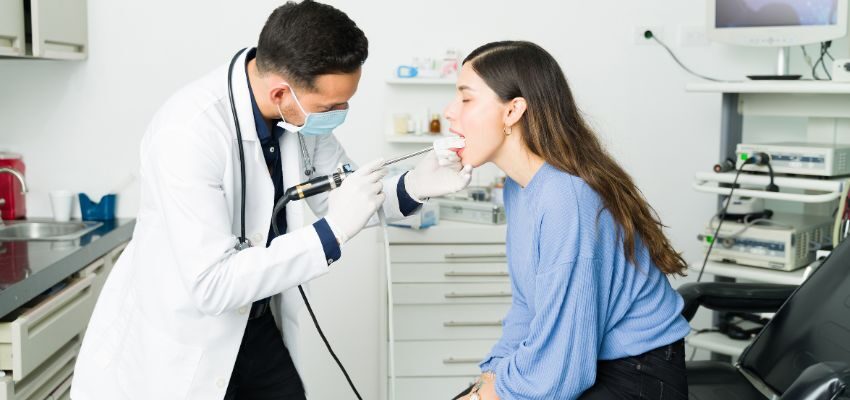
x: 45, y: 230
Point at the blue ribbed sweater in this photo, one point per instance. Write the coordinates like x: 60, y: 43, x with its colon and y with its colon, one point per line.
x: 576, y: 298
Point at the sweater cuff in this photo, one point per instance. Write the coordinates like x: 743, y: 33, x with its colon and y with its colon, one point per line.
x: 406, y: 204
x: 329, y: 242
x: 489, y: 364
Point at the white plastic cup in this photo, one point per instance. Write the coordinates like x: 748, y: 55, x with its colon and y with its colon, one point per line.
x: 62, y: 202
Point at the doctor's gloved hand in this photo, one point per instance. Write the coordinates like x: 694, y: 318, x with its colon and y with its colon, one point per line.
x: 355, y: 201
x: 431, y: 179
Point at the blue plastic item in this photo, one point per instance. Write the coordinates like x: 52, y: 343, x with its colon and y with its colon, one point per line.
x: 406, y: 71
x: 104, y: 210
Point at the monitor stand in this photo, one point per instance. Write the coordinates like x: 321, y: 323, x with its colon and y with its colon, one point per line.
x: 783, y: 62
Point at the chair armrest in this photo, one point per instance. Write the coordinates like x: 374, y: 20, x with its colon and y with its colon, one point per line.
x: 739, y: 297
x: 822, y: 381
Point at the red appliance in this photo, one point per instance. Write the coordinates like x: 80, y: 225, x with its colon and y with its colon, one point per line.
x: 10, y: 188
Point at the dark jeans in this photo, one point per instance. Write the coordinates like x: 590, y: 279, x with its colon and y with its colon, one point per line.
x: 264, y: 369
x: 655, y: 375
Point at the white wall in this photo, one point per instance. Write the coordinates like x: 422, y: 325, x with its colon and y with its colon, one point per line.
x: 78, y: 124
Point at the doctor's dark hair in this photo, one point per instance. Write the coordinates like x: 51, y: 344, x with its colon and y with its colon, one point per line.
x: 304, y: 40
x: 554, y: 129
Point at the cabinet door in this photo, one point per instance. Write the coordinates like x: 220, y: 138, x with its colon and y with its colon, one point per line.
x: 59, y: 29
x: 12, y: 28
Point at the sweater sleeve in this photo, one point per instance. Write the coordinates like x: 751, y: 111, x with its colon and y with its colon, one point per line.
x: 557, y: 358
x: 514, y: 330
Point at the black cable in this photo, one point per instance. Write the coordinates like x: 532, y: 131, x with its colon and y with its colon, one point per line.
x: 327, y: 344
x: 279, y: 207
x: 824, y: 51
x: 722, y: 215
x: 649, y: 35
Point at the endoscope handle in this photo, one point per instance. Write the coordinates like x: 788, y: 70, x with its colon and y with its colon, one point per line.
x: 310, y: 188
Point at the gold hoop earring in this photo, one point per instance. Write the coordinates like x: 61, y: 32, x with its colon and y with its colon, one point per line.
x: 508, y: 130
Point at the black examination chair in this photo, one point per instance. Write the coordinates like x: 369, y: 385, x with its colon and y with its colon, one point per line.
x: 802, y: 353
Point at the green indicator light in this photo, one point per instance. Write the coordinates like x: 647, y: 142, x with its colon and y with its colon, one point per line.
x: 744, y: 156
x: 709, y: 239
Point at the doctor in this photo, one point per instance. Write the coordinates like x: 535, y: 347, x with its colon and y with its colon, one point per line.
x: 184, y: 314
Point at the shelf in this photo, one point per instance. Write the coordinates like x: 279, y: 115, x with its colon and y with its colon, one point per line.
x: 830, y: 189
x: 756, y: 274
x: 771, y: 87
x: 422, y: 81
x: 717, y: 342
x: 410, y: 138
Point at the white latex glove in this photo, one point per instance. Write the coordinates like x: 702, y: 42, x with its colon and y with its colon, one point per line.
x: 430, y: 179
x: 356, y: 200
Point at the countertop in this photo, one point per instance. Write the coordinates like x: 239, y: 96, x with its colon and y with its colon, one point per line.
x: 449, y: 232
x: 28, y: 268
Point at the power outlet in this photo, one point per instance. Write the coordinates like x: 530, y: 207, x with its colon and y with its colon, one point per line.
x: 693, y: 36
x: 639, y: 34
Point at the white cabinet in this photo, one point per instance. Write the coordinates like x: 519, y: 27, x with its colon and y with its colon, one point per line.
x: 450, y: 292
x: 39, y: 342
x: 59, y: 29
x: 12, y: 28
x: 54, y: 29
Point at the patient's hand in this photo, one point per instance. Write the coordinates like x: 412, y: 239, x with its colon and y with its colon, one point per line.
x: 488, y: 389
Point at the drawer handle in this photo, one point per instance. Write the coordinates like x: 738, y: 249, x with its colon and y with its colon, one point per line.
x: 453, y: 274
x: 461, y: 324
x: 453, y: 360
x: 455, y: 256
x: 454, y: 295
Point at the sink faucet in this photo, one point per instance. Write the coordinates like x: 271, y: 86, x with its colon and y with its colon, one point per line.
x: 20, y: 178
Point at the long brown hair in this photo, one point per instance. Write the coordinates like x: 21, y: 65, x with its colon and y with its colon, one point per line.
x: 554, y: 129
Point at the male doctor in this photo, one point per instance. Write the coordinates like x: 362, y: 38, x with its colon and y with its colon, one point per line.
x: 184, y: 314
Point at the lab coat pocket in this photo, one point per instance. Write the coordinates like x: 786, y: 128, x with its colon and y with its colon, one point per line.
x: 155, y: 366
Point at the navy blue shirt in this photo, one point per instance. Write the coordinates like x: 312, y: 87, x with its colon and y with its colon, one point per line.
x: 270, y: 142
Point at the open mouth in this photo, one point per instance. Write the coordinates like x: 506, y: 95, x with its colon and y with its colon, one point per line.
x: 459, y: 152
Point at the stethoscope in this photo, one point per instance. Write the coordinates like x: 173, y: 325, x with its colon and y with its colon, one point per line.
x: 309, y: 168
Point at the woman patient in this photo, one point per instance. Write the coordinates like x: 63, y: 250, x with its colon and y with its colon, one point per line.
x: 593, y: 315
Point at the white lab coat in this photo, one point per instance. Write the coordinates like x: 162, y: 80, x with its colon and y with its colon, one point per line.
x: 172, y: 313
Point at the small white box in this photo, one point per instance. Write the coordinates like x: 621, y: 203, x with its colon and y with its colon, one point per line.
x: 841, y: 70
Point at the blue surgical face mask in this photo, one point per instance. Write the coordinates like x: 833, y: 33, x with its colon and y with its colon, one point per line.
x: 315, y: 124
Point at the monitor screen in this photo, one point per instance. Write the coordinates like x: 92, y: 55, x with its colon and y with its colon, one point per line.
x: 778, y: 13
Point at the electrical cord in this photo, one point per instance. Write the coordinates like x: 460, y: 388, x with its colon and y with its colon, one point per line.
x: 758, y: 159
x: 313, y: 314
x: 722, y: 214
x: 649, y: 35
x: 824, y: 52
x: 390, y: 311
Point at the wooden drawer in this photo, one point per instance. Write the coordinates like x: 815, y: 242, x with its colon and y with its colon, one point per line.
x: 440, y: 253
x: 51, y: 380
x: 431, y: 388
x: 38, y: 332
x: 451, y: 293
x: 440, y: 358
x: 450, y: 272
x: 454, y: 322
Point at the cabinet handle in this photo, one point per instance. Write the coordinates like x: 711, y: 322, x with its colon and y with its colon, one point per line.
x: 455, y: 256
x: 454, y: 295
x: 499, y: 274
x: 453, y: 360
x: 462, y: 324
